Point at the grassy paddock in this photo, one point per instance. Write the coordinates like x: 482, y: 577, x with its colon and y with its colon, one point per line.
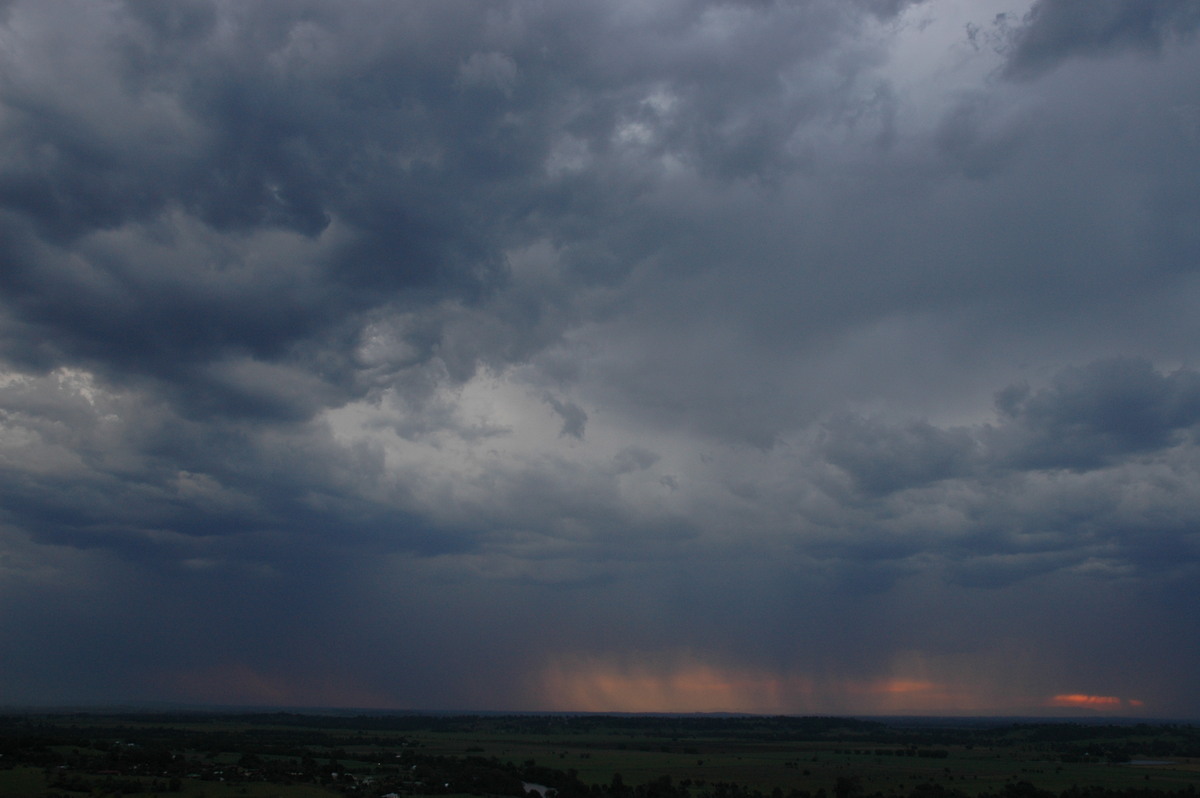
x: 803, y: 766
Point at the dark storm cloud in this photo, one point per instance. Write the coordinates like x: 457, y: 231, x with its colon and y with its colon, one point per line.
x: 1093, y: 472
x: 502, y: 347
x: 170, y: 140
x: 883, y: 459
x: 196, y: 200
x: 1106, y: 412
x: 1055, y: 30
x: 1096, y: 414
x: 123, y: 472
x: 205, y: 136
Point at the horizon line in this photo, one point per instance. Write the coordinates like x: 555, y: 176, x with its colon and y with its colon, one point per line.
x: 1082, y: 714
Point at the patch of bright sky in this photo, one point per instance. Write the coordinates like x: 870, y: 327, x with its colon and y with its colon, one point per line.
x: 495, y: 428
x: 935, y: 62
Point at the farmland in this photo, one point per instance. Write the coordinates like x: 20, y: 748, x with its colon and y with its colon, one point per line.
x: 589, y: 756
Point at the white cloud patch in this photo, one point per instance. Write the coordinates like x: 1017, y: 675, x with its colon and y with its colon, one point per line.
x: 490, y: 70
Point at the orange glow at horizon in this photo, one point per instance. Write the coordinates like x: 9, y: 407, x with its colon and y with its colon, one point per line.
x: 901, y: 686
x: 1085, y: 701
x: 690, y: 688
x: 602, y: 685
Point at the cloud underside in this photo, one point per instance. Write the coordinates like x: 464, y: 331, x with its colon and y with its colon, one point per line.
x: 684, y: 355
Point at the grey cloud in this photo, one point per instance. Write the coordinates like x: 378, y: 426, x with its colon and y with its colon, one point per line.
x: 979, y: 153
x: 253, y: 160
x: 1096, y: 414
x: 494, y: 70
x: 634, y: 458
x: 401, y: 184
x: 574, y: 417
x: 183, y: 22
x: 883, y: 459
x: 95, y: 468
x: 1105, y: 413
x: 1091, y: 474
x: 997, y: 571
x: 1055, y: 30
x: 265, y: 390
x: 887, y: 8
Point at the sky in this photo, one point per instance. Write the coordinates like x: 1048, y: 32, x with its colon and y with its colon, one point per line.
x: 778, y: 356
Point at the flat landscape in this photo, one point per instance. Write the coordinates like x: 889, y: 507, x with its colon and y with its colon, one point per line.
x: 595, y: 756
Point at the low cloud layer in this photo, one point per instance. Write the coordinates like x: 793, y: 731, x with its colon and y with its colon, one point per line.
x: 684, y: 355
